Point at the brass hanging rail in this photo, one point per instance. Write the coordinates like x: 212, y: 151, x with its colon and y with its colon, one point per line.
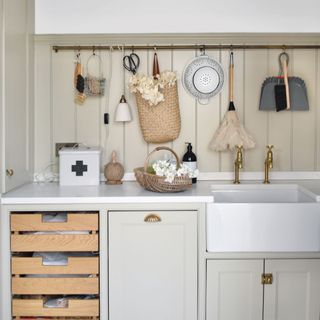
x: 189, y: 47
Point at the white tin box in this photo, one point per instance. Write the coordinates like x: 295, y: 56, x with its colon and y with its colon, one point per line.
x: 79, y: 166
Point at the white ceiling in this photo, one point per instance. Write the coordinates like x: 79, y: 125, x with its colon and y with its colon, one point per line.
x: 176, y: 16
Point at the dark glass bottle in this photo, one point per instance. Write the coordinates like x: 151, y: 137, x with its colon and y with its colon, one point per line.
x: 190, y: 159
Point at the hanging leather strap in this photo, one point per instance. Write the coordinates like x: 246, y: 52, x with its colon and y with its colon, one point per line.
x: 155, y: 69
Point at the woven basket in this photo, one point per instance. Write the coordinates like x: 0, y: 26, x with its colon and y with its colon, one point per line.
x: 162, y: 122
x: 156, y: 183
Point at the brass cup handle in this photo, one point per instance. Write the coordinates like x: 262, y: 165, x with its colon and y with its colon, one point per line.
x: 152, y: 218
x: 9, y: 172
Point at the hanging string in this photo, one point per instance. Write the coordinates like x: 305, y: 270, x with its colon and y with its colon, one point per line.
x: 107, y: 105
x: 125, y: 93
x: 123, y: 74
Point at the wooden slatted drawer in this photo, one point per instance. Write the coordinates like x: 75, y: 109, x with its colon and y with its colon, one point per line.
x: 35, y: 308
x: 35, y: 222
x: 57, y: 286
x: 54, y: 242
x: 75, y: 265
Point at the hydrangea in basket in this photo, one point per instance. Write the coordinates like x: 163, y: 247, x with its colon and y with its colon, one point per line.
x: 164, y: 168
x: 151, y: 87
x: 164, y: 176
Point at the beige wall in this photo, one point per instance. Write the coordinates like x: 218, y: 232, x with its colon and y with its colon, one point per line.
x: 59, y: 119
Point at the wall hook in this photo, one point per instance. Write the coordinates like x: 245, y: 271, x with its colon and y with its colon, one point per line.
x: 203, y: 49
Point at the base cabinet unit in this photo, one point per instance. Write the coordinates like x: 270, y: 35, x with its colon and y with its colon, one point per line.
x: 295, y: 291
x: 55, y: 265
x: 271, y: 289
x: 234, y: 290
x: 153, y: 265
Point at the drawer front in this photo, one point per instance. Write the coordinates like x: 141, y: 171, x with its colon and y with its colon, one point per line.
x: 34, y: 307
x: 55, y: 285
x: 75, y: 265
x: 52, y: 243
x: 74, y: 221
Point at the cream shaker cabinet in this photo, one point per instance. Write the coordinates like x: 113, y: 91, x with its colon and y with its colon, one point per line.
x: 153, y: 265
x: 16, y: 92
x: 295, y: 291
x: 235, y: 291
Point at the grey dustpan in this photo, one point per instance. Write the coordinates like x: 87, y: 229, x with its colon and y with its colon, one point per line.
x: 298, y: 94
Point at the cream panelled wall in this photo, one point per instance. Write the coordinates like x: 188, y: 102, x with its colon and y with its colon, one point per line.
x: 58, y: 119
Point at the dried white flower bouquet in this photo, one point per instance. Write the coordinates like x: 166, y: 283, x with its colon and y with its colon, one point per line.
x: 151, y: 87
x: 165, y: 168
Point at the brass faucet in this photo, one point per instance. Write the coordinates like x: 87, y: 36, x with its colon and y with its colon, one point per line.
x: 238, y: 164
x: 268, y: 163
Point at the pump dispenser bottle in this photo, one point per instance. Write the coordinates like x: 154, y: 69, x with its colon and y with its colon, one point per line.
x: 190, y: 159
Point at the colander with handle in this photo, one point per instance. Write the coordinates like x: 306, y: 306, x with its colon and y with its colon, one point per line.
x: 203, y: 77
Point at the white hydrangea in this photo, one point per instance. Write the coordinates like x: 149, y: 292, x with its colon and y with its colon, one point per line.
x: 150, y: 87
x: 164, y: 168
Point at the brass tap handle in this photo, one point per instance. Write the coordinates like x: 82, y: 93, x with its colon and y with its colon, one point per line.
x: 268, y: 163
x: 269, y: 147
x: 239, y: 157
x: 269, y: 158
x: 238, y: 164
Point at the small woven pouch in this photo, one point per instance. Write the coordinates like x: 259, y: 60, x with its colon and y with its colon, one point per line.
x: 94, y: 85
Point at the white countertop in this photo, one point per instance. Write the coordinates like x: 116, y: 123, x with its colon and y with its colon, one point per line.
x: 128, y: 192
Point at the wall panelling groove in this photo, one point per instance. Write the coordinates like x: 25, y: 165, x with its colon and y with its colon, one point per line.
x: 58, y: 119
x: 317, y: 118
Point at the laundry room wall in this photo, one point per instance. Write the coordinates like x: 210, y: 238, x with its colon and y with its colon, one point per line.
x: 295, y: 135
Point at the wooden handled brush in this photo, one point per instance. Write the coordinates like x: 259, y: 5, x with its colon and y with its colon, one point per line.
x: 286, y: 82
x: 281, y: 91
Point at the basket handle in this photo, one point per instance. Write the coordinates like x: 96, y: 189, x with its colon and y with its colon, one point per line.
x: 155, y: 69
x: 158, y: 149
x: 94, y: 55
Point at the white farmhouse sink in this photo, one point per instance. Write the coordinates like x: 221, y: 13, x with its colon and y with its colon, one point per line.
x: 259, y: 193
x: 260, y: 218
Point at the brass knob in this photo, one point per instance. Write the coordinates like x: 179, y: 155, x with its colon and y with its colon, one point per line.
x: 9, y: 172
x: 267, y: 278
x: 152, y: 218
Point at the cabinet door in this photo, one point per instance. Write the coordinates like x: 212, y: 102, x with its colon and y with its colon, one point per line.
x: 2, y: 68
x: 234, y: 289
x: 18, y: 92
x: 153, y: 265
x: 295, y: 292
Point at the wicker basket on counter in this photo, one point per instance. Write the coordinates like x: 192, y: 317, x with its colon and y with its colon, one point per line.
x: 155, y: 183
